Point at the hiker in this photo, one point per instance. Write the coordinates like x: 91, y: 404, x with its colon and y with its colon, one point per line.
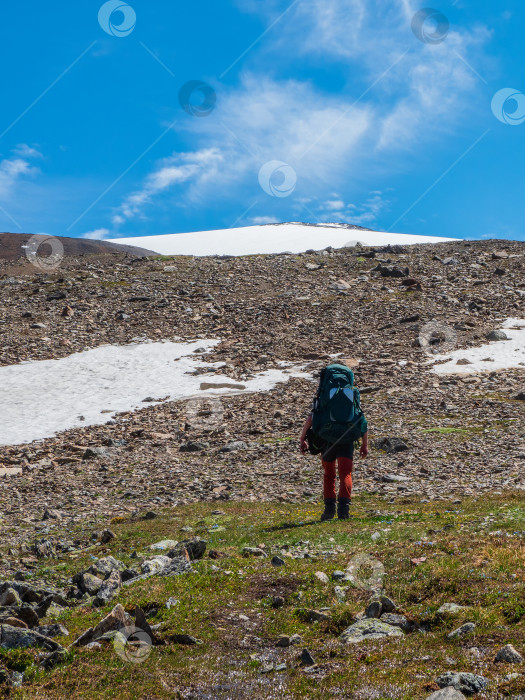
x: 331, y: 429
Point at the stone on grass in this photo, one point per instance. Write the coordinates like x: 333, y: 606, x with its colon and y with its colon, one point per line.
x: 466, y: 683
x: 366, y: 629
x: 164, y: 544
x: 447, y: 694
x: 398, y: 621
x: 316, y: 616
x: 467, y: 628
x: 52, y: 631
x: 450, y: 609
x: 109, y: 589
x: 10, y: 597
x: 116, y: 620
x: 306, y: 658
x: 509, y: 655
x: 194, y: 548
x: 185, y: 639
x: 388, y: 605
x: 321, y: 576
x: 374, y: 609
x: 18, y: 638
x: 277, y: 561
x: 253, y: 552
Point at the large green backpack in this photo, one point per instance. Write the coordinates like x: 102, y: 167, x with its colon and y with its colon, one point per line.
x: 337, y: 416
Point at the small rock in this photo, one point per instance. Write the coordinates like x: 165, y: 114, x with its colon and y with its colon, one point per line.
x: 10, y: 598
x: 277, y: 561
x: 253, y: 552
x: 194, y: 446
x: 450, y: 609
x: 96, y: 452
x: 366, y: 629
x: 374, y: 609
x: 497, y: 335
x: 234, y: 446
x: 509, y: 655
x: 109, y: 589
x: 307, y: 658
x: 277, y: 601
x: 106, y: 536
x: 321, y: 576
x: 185, y: 639
x: 398, y: 621
x: 388, y: 605
x: 391, y: 445
x: 52, y: 631
x: 316, y: 616
x: 467, y: 628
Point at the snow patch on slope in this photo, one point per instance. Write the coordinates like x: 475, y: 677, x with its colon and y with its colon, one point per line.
x: 271, y: 238
x: 500, y: 354
x: 42, y: 398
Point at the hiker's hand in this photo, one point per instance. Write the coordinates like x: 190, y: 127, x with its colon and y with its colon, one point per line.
x: 303, y: 447
x: 363, y: 451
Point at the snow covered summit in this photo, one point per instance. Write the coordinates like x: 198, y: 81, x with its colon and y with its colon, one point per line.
x: 272, y: 238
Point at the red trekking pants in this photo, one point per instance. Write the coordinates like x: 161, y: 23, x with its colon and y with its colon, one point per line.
x: 344, y: 466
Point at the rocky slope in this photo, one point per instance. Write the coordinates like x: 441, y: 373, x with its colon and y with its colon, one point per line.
x: 463, y: 434
x: 12, y: 247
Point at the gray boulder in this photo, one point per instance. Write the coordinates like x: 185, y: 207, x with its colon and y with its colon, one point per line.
x: 116, y: 620
x: 467, y: 683
x: 398, y: 621
x: 195, y: 549
x: 509, y: 655
x: 497, y: 335
x: 109, y: 589
x: 450, y: 609
x: 447, y: 694
x: 18, y: 638
x: 366, y: 629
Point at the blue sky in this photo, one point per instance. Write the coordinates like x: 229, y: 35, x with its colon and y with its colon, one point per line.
x: 363, y: 118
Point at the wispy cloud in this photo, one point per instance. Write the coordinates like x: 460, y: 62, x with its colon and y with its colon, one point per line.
x: 12, y: 171
x: 175, y: 170
x: 328, y: 138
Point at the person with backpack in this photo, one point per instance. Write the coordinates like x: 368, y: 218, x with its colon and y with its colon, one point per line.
x: 335, y: 423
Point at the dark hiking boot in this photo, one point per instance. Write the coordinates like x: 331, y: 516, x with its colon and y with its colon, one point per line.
x: 329, y: 509
x: 343, y: 508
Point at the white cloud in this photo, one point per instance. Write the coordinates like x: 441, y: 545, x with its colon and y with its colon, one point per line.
x: 96, y: 235
x: 401, y: 94
x: 260, y: 220
x: 175, y: 170
x: 25, y: 151
x: 12, y: 170
x: 363, y: 214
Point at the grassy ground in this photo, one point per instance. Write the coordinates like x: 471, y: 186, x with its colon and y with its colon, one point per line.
x: 473, y: 554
